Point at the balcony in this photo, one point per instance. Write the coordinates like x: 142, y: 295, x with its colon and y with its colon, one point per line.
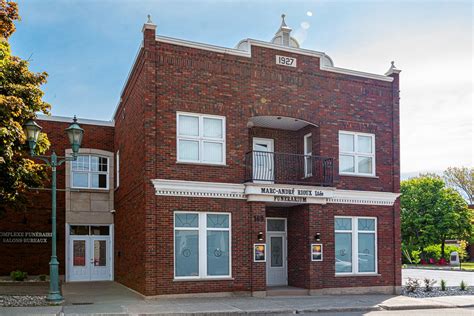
x: 287, y: 168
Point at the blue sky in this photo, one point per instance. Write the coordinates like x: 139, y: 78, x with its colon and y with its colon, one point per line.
x: 88, y: 47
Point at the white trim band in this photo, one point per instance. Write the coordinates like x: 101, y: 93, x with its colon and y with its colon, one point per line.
x: 272, y: 193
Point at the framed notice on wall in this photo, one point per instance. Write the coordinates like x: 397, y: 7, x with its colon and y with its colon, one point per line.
x: 316, y: 252
x: 259, y: 252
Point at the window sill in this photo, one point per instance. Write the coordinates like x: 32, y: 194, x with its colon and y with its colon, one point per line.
x: 89, y: 190
x: 203, y: 279
x: 358, y: 175
x: 357, y: 275
x: 202, y: 164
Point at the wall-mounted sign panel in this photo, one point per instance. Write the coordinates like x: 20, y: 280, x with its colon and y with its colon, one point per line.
x: 287, y: 194
x: 285, y: 61
x: 259, y: 252
x: 316, y: 252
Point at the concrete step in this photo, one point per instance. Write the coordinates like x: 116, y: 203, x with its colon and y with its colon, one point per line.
x: 286, y: 291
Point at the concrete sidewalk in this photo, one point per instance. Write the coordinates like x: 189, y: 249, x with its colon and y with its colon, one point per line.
x: 248, y: 305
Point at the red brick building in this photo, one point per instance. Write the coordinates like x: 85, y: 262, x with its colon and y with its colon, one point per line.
x: 230, y: 170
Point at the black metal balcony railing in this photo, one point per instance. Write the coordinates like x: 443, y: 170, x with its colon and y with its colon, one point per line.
x: 263, y: 166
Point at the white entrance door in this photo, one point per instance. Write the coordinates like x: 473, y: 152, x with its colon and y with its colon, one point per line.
x: 277, y: 272
x: 79, y: 267
x: 263, y: 160
x: 89, y: 255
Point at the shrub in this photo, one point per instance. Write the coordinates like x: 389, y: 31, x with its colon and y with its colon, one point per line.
x: 463, y: 286
x: 429, y: 284
x: 443, y: 285
x: 412, y: 285
x: 18, y: 275
x: 415, y: 255
x: 434, y: 252
x: 42, y: 277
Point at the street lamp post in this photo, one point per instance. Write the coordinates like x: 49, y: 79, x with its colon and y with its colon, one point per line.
x: 75, y: 134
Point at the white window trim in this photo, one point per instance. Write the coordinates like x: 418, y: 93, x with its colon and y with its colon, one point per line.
x: 117, y: 169
x: 89, y: 173
x: 202, y: 245
x: 307, y: 153
x: 356, y: 154
x: 201, y: 139
x: 355, y: 245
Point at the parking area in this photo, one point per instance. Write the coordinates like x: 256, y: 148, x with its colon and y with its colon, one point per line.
x: 453, y: 278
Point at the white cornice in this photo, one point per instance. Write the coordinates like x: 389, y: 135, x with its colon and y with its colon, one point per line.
x: 363, y: 197
x: 199, y: 189
x: 254, y: 192
x: 66, y: 119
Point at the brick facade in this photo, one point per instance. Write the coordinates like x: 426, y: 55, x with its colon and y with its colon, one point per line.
x: 167, y: 78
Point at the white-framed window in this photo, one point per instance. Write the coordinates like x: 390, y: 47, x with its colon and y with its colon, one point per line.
x: 356, y: 153
x: 117, y: 169
x: 308, y: 152
x: 355, y: 244
x: 200, y: 138
x: 202, y: 245
x: 90, y: 172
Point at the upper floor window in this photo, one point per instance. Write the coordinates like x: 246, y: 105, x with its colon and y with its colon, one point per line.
x: 356, y: 153
x: 90, y: 172
x: 200, y: 138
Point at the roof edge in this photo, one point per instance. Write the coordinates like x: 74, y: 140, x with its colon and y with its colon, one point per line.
x: 67, y: 119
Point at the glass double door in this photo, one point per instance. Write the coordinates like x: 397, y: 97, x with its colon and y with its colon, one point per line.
x: 89, y: 258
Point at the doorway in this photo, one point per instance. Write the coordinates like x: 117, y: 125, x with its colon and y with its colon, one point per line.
x: 89, y: 253
x: 263, y: 160
x: 277, y: 262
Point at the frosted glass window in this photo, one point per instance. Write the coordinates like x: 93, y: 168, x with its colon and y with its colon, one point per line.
x: 201, y: 138
x: 364, y: 144
x: 188, y: 125
x: 276, y: 250
x: 343, y: 246
x: 217, y: 221
x: 365, y: 165
x: 212, y: 127
x: 212, y: 152
x: 346, y: 142
x: 366, y: 258
x: 346, y: 163
x: 217, y: 253
x: 186, y: 220
x: 187, y: 253
x: 188, y: 150
x: 276, y: 225
x: 355, y: 245
x: 356, y: 153
x: 366, y: 224
x: 343, y: 223
x: 202, y: 244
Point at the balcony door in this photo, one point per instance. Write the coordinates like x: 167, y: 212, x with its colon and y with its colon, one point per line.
x: 263, y: 160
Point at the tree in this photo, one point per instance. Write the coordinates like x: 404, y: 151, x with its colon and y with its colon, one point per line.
x: 432, y: 213
x: 461, y: 178
x: 20, y: 100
